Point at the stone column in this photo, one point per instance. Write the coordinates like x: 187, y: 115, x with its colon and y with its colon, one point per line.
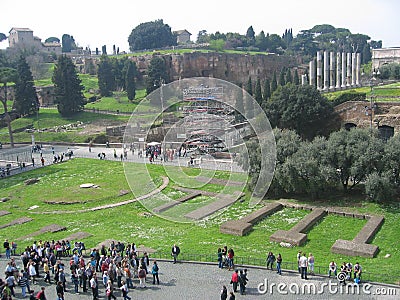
x: 358, y: 69
x: 348, y: 74
x: 343, y: 69
x: 353, y: 69
x: 319, y: 70
x: 311, y: 74
x: 332, y: 71
x: 338, y: 69
x: 303, y: 79
x: 326, y: 70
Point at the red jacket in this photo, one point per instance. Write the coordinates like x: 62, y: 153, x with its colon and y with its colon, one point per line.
x: 235, y: 277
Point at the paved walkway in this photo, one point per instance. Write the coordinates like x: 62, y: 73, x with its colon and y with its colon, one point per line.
x: 204, y: 281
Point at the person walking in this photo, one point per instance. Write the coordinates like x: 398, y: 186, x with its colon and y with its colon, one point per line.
x: 154, y: 271
x: 41, y: 295
x: 125, y: 290
x: 235, y: 280
x: 232, y: 296
x: 94, y: 286
x: 224, y: 293
x: 142, y: 277
x: 175, y: 252
x: 60, y: 289
x: 23, y: 283
x: 110, y: 291
x: 242, y: 282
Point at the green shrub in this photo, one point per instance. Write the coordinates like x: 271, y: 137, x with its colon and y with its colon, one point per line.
x: 351, y: 96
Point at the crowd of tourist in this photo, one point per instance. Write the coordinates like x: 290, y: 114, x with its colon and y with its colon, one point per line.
x: 112, y: 267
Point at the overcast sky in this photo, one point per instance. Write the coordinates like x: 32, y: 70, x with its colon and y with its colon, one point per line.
x: 95, y: 23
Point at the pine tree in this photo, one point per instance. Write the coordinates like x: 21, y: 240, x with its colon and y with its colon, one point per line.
x: 156, y: 74
x: 26, y: 100
x: 257, y: 92
x: 130, y: 80
x: 267, y: 90
x: 274, y: 83
x: 67, y: 87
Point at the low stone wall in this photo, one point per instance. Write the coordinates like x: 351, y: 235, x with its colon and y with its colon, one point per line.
x: 236, y: 227
x: 367, y: 233
x: 171, y: 204
x: 296, y: 235
x: 207, y: 210
x: 52, y: 228
x: 359, y: 245
x: 18, y: 221
x: 245, y: 225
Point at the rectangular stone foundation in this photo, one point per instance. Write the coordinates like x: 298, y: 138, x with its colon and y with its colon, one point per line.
x: 352, y: 248
x: 245, y: 225
x: 236, y: 227
x: 263, y: 212
x: 291, y: 237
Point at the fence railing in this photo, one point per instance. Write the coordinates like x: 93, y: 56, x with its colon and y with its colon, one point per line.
x: 383, y: 277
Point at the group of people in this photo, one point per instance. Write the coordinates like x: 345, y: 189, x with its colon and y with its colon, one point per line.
x: 118, y: 265
x: 225, y: 258
x: 349, y: 271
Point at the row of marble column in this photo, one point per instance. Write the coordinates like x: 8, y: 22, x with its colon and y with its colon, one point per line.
x: 335, y: 71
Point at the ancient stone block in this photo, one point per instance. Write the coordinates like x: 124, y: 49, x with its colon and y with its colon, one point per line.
x: 236, y: 227
x: 369, y: 230
x: 263, y: 212
x: 288, y: 236
x: 352, y: 248
x: 308, y: 221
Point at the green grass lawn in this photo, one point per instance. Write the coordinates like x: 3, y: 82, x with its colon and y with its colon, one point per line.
x: 388, y: 92
x: 49, y: 121
x: 133, y: 223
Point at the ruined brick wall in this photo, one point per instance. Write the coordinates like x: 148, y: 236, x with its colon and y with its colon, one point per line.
x: 235, y: 68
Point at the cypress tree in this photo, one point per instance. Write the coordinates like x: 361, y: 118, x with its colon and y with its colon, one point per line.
x: 282, y: 77
x: 296, y: 79
x: 68, y: 89
x: 288, y: 77
x: 257, y: 92
x: 267, y: 90
x: 130, y: 80
x: 274, y: 83
x: 26, y: 100
x: 249, y: 87
x: 105, y: 76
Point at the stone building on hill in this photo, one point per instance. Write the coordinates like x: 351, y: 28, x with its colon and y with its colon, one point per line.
x: 182, y: 36
x: 23, y: 38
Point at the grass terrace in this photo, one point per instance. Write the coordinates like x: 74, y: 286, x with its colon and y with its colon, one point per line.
x: 58, y: 190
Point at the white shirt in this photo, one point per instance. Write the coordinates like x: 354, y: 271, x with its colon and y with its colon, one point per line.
x: 303, y: 261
